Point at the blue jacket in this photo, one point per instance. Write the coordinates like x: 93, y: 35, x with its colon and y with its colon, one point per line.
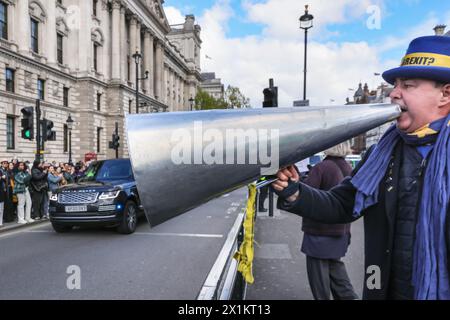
x: 22, y: 180
x: 53, y: 182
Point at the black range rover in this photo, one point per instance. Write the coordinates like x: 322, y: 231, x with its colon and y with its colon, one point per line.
x: 105, y: 196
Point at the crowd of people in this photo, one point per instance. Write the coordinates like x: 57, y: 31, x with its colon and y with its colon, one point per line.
x: 26, y: 188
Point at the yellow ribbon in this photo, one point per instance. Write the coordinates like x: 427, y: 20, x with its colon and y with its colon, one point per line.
x: 245, y: 254
x: 426, y: 59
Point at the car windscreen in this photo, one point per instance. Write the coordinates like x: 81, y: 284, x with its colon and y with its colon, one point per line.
x: 108, y: 170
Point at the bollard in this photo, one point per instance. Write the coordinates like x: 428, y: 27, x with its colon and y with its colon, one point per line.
x: 270, y: 202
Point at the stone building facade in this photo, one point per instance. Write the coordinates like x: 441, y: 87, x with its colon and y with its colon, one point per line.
x: 212, y: 85
x: 77, y: 57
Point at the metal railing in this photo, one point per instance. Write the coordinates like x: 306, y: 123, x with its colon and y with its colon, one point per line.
x: 224, y: 282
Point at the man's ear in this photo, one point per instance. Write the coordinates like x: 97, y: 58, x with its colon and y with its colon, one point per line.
x: 445, y: 96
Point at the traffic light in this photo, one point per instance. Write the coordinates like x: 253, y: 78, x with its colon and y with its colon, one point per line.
x: 270, y: 96
x: 28, y: 123
x: 114, y: 144
x: 48, y: 134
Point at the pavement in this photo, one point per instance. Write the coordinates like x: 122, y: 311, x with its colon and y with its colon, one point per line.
x: 169, y: 261
x: 280, y: 267
x: 10, y: 226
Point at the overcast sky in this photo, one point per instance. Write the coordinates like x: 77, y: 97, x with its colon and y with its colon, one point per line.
x: 246, y: 42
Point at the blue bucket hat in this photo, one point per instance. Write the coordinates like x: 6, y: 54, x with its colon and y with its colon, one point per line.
x: 427, y: 58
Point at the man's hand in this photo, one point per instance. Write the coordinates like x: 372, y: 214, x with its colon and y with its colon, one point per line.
x: 288, y: 178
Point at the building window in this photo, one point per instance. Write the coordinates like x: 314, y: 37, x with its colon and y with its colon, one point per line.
x: 66, y: 97
x: 3, y: 20
x: 41, y: 89
x: 99, y: 135
x: 95, y: 57
x: 130, y: 102
x: 66, y: 138
x: 99, y: 101
x: 128, y: 69
x: 34, y: 35
x: 9, y: 76
x: 10, y: 132
x: 94, y: 7
x: 59, y: 44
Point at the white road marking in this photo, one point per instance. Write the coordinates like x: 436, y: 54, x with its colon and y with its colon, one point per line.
x: 193, y: 235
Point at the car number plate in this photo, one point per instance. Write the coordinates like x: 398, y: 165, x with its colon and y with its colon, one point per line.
x: 76, y: 209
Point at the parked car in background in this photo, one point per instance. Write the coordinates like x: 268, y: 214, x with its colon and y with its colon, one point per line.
x: 106, y: 196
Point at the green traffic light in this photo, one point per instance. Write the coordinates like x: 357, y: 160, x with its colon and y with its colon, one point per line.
x: 28, y: 134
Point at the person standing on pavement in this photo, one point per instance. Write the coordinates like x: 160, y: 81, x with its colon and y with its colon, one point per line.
x: 22, y: 179
x: 402, y: 186
x: 12, y: 209
x: 3, y: 178
x: 325, y: 244
x: 8, y: 210
x: 39, y: 187
x: 67, y: 172
x: 54, y: 181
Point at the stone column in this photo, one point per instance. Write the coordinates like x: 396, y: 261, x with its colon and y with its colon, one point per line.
x: 176, y: 88
x: 50, y: 36
x: 172, y: 89
x: 123, y: 46
x: 182, y: 100
x: 115, y: 41
x: 133, y: 45
x: 159, y: 70
x: 12, y: 36
x: 164, y: 80
x: 23, y: 26
x: 148, y: 62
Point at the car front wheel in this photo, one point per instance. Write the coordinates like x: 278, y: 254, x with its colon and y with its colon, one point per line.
x: 129, y: 219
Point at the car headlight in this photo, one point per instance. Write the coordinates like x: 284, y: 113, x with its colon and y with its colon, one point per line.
x: 109, y: 195
x: 54, y: 197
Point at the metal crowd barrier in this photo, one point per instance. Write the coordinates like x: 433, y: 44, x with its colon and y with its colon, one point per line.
x: 224, y: 282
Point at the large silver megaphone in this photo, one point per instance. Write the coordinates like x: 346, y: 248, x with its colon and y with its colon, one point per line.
x: 183, y: 159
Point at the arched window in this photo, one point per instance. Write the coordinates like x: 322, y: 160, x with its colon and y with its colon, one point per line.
x: 38, y: 17
x: 97, y: 47
x: 62, y: 32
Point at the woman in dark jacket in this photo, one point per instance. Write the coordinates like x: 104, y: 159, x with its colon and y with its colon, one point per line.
x: 325, y: 244
x: 2, y: 194
x: 39, y: 187
x: 11, y: 204
x: 9, y: 207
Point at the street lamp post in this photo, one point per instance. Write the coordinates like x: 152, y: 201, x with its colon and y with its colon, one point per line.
x: 69, y: 123
x: 137, y: 59
x: 306, y: 22
x: 191, y: 101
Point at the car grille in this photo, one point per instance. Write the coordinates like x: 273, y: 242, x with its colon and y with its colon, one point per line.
x: 77, y: 197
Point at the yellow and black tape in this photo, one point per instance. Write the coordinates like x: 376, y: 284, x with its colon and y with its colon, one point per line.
x: 246, y: 251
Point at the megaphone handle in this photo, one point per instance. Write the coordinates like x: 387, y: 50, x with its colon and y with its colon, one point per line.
x: 267, y: 180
